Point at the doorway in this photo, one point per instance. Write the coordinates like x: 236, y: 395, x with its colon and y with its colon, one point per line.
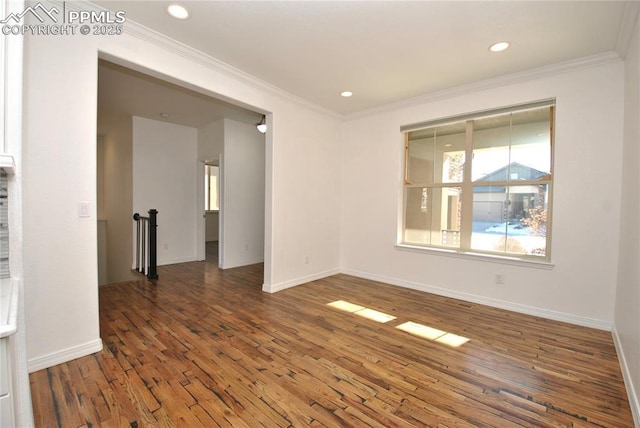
x: 212, y: 211
x: 232, y: 169
x: 127, y: 97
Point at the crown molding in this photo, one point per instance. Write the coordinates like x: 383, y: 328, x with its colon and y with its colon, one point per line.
x: 629, y: 19
x: 156, y: 38
x: 139, y: 31
x: 509, y: 79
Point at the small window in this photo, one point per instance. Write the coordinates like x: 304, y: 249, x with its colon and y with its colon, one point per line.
x: 481, y: 183
x: 211, y: 198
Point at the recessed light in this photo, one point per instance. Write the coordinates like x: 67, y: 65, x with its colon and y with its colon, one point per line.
x: 177, y: 11
x: 499, y: 47
x: 164, y: 115
x: 346, y: 94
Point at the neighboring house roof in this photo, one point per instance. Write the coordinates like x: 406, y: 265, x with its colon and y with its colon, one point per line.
x: 515, y: 172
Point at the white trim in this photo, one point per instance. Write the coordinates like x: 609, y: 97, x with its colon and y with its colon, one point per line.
x: 631, y: 10
x: 221, y: 205
x: 634, y: 401
x: 146, y: 34
x: 177, y: 260
x: 65, y: 355
x: 243, y: 263
x: 492, y: 258
x: 509, y: 79
x: 299, y: 281
x: 200, y: 212
x: 156, y: 38
x: 170, y: 262
x: 474, y: 298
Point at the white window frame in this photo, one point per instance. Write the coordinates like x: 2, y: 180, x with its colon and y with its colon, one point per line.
x: 467, y: 185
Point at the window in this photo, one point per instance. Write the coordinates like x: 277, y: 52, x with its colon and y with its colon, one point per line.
x: 211, y: 199
x: 481, y: 183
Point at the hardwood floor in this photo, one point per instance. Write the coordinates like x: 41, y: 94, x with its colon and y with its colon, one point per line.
x: 207, y: 348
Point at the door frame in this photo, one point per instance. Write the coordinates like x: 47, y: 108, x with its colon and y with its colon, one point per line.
x: 201, y: 241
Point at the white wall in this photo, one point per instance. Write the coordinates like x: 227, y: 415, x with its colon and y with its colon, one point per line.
x: 61, y: 293
x: 306, y: 198
x: 627, y: 309
x: 164, y: 178
x: 580, y: 287
x: 59, y: 147
x: 115, y: 204
x: 242, y: 195
x: 211, y: 140
x: 100, y: 213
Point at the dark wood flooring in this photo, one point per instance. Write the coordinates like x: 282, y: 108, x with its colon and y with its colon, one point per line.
x: 203, y: 347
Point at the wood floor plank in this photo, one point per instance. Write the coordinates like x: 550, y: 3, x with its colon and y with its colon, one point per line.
x: 201, y: 347
x: 43, y: 400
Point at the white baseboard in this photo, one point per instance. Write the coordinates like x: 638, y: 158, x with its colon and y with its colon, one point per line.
x: 634, y: 400
x: 164, y: 262
x: 240, y: 263
x: 298, y: 281
x: 50, y: 360
x: 501, y: 304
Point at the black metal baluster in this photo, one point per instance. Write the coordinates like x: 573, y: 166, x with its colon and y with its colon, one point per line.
x: 146, y: 244
x: 136, y: 217
x: 153, y: 250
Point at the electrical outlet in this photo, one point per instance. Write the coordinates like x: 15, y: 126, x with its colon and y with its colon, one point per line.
x: 499, y: 278
x: 306, y: 260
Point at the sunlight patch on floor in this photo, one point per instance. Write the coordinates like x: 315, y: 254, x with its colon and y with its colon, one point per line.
x: 362, y: 311
x: 345, y: 306
x: 431, y: 333
x: 414, y: 328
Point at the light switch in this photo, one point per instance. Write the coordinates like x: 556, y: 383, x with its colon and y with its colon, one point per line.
x: 84, y: 209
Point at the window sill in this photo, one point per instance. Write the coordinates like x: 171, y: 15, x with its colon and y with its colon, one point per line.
x: 514, y: 261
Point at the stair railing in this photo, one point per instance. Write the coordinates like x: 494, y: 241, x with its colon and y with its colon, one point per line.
x: 147, y: 243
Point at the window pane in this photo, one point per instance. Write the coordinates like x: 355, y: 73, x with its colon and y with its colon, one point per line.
x: 510, y: 219
x: 450, y: 146
x: 417, y: 217
x: 491, y: 138
x: 512, y: 147
x: 432, y: 216
x: 447, y: 223
x: 420, y: 169
x: 531, y: 144
x: 436, y: 155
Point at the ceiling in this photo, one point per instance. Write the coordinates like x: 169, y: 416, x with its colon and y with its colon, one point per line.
x: 387, y: 51
x: 124, y: 92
